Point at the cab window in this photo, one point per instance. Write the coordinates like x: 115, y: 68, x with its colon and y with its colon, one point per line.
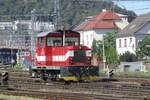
x: 72, y: 41
x: 54, y: 41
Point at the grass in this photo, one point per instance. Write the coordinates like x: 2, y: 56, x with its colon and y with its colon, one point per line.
x: 133, y: 74
x: 8, y: 97
x: 18, y: 67
x: 128, y: 74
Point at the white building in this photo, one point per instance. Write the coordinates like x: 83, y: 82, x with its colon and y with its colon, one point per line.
x: 131, y: 66
x: 95, y: 27
x: 128, y: 38
x: 123, y: 22
x: 6, y: 25
x: 26, y: 25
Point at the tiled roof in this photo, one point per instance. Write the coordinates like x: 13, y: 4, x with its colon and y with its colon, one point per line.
x: 135, y: 25
x: 104, y: 20
x: 107, y: 15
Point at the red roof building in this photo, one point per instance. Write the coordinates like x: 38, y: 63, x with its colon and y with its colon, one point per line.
x: 97, y: 26
x: 104, y: 20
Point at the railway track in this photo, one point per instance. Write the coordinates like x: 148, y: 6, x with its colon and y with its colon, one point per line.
x: 66, y: 96
x: 124, y: 89
x: 5, y: 67
x: 139, y: 80
x: 98, y: 88
x: 48, y: 95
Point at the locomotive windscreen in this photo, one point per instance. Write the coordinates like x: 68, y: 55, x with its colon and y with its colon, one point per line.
x: 79, y: 56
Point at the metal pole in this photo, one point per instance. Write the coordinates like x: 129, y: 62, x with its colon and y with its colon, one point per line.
x: 32, y: 30
x: 33, y: 19
x: 11, y: 52
x: 57, y: 18
x: 104, y: 58
x: 63, y: 36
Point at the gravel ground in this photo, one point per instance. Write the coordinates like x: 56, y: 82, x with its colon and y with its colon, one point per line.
x: 8, y: 97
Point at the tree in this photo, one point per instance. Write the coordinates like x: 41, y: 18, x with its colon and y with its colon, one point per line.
x: 128, y: 57
x: 97, y: 50
x: 111, y: 55
x: 109, y: 48
x: 72, y: 12
x: 143, y: 49
x: 110, y: 39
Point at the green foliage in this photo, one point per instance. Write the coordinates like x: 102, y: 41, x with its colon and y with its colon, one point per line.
x: 143, y: 49
x: 118, y: 73
x: 111, y: 55
x: 110, y: 39
x: 72, y: 11
x: 128, y: 57
x: 133, y: 74
x: 18, y: 67
x: 109, y: 47
x: 94, y: 46
x: 97, y: 49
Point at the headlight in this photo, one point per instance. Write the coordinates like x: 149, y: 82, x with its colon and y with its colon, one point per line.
x: 88, y: 53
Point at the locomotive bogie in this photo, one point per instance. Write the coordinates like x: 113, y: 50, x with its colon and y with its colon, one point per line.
x: 79, y: 73
x: 67, y: 73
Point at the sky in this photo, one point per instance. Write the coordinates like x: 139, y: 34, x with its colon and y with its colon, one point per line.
x: 138, y: 6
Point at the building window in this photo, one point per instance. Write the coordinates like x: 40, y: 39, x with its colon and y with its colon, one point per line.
x: 133, y: 46
x: 130, y: 40
x: 125, y: 42
x: 91, y: 36
x: 86, y: 37
x: 119, y: 43
x: 87, y: 42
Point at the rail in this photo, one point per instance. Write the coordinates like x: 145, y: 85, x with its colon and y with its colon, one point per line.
x: 124, y: 89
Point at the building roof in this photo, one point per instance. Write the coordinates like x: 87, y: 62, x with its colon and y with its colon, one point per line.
x: 135, y: 26
x: 104, y: 20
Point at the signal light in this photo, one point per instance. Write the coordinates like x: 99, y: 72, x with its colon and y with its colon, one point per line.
x: 5, y: 78
x: 111, y: 73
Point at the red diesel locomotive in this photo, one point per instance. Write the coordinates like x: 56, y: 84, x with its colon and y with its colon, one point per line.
x: 59, y: 55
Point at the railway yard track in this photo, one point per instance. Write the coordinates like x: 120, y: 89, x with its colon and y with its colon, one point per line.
x: 123, y: 89
x: 89, y: 88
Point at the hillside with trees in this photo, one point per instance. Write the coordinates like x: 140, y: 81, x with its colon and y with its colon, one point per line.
x: 72, y: 12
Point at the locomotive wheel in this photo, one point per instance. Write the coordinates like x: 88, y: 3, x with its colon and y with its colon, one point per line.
x: 67, y: 82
